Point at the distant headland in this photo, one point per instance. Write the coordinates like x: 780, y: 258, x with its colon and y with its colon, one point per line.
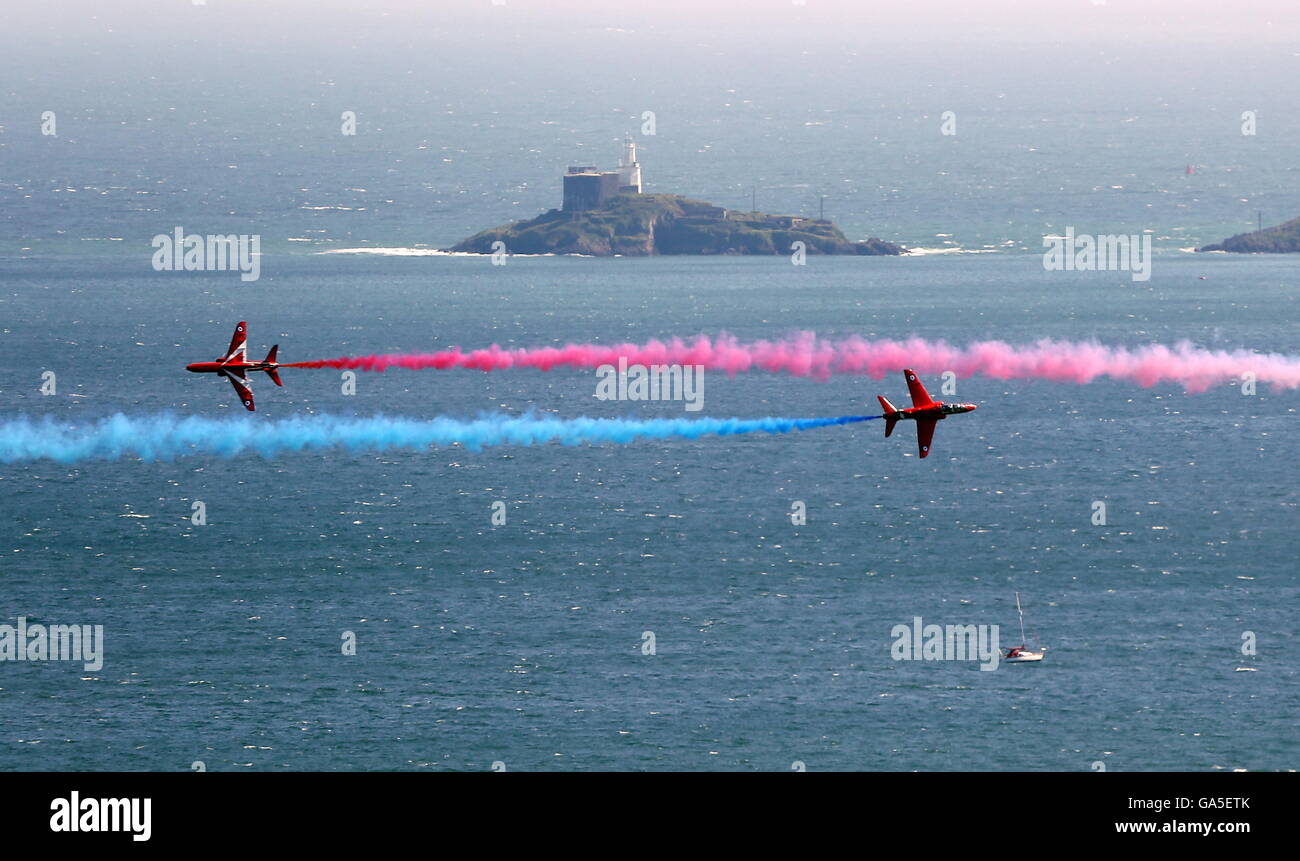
x: 1282, y: 239
x: 606, y: 213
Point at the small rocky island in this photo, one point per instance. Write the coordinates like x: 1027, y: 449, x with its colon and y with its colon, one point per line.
x: 1282, y: 239
x: 646, y: 224
x: 606, y: 214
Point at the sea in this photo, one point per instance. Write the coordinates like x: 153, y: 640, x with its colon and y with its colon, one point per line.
x: 651, y: 605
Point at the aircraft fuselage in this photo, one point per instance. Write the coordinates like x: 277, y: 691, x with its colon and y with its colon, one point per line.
x: 219, y: 367
x: 936, y: 411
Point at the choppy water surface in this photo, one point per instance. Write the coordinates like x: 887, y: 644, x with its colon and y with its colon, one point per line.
x: 523, y: 642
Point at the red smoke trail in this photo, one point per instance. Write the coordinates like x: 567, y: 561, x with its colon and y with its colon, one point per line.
x: 806, y: 355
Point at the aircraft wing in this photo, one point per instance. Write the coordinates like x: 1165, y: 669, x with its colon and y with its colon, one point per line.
x: 243, y: 387
x: 924, y: 433
x: 920, y: 397
x: 236, y: 343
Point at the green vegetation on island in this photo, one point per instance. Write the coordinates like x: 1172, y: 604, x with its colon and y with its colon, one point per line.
x: 638, y: 225
x: 1282, y: 239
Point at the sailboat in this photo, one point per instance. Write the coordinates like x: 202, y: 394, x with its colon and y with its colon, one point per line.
x: 1022, y: 654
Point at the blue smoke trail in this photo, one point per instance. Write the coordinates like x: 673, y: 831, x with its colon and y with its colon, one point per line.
x: 164, y: 437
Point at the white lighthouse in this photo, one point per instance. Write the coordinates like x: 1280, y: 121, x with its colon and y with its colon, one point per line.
x: 629, y: 169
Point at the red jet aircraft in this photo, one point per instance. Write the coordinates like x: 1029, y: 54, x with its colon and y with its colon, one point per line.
x: 234, y: 366
x: 924, y: 411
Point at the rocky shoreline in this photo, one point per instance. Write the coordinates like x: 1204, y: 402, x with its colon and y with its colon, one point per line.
x: 1282, y: 239
x: 641, y: 225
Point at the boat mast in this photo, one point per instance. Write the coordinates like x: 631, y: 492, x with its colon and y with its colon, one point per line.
x: 1022, y: 619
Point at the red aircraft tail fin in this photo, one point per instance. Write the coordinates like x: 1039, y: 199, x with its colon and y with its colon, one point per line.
x: 889, y: 409
x: 271, y: 372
